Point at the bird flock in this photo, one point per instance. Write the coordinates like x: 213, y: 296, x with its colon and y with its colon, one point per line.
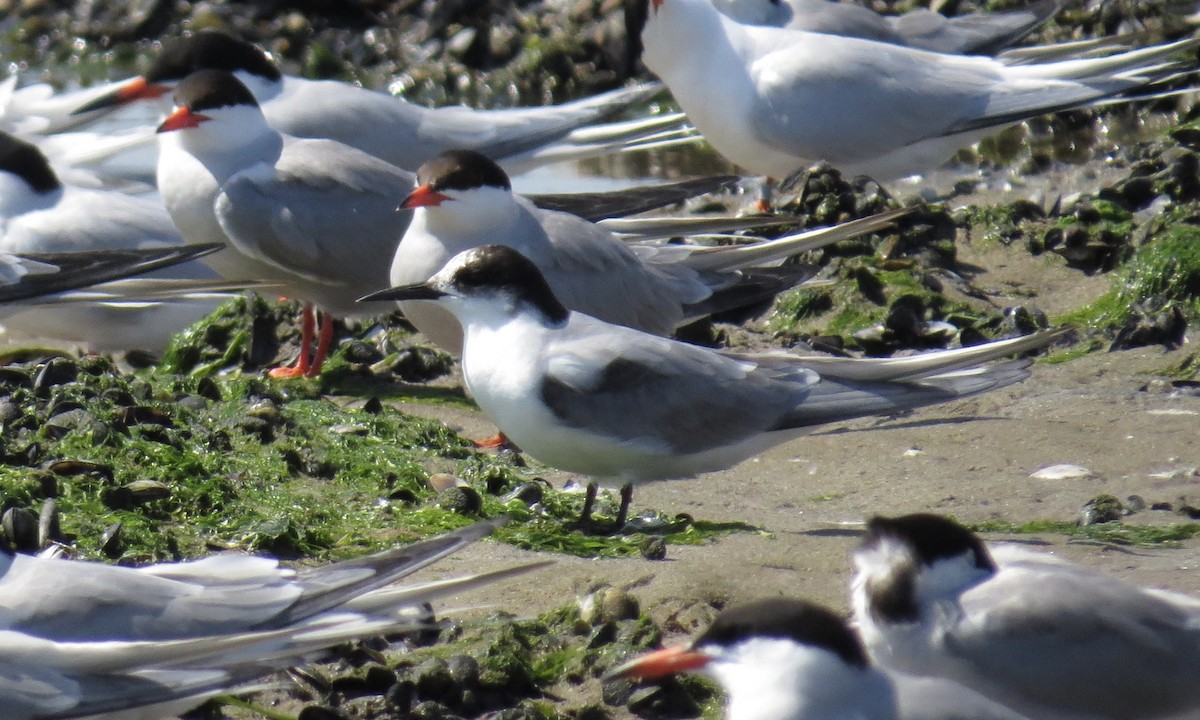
x: 561, y: 310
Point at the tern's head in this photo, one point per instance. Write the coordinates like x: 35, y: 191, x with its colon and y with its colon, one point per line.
x: 215, y: 101
x: 27, y: 165
x: 778, y: 659
x: 204, y: 50
x: 488, y: 282
x: 465, y: 186
x: 910, y: 561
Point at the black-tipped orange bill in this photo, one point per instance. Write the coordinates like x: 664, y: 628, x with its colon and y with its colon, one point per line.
x: 661, y: 663
x: 181, y: 119
x: 420, y: 291
x: 424, y: 196
x: 132, y: 91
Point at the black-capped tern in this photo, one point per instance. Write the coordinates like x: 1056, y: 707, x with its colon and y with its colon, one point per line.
x: 790, y: 659
x: 387, y: 126
x: 1046, y: 637
x: 609, y: 401
x: 464, y: 200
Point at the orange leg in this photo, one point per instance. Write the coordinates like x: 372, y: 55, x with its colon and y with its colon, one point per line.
x: 324, y: 340
x: 301, y: 368
x: 763, y: 204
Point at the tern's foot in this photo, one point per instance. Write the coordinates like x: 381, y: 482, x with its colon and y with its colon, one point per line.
x: 589, y: 525
x: 289, y: 372
x: 497, y: 442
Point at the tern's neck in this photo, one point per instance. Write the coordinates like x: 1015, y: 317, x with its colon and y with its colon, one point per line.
x: 476, y: 219
x: 17, y: 197
x: 787, y: 682
x: 247, y: 140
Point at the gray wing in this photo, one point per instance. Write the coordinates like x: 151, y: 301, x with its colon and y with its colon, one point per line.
x: 839, y: 97
x: 980, y: 33
x: 838, y: 18
x: 593, y: 272
x: 1063, y: 636
x: 87, y: 219
x: 81, y: 601
x: 325, y: 212
x: 33, y: 691
x: 659, y: 393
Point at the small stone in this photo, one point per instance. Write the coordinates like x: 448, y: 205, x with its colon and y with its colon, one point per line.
x: 461, y: 500
x: 1101, y: 509
x: 435, y: 682
x: 653, y: 548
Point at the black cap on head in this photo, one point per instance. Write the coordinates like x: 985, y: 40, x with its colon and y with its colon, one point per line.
x: 502, y: 268
x: 462, y: 170
x: 932, y: 537
x: 209, y: 50
x: 212, y: 89
x: 786, y: 619
x: 27, y: 162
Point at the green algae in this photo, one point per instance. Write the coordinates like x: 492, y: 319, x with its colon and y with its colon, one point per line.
x: 1163, y: 272
x: 1118, y: 533
x: 238, y: 461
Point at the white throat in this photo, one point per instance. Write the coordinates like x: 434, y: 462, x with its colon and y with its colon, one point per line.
x: 776, y: 679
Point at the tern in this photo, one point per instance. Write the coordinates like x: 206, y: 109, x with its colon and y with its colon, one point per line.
x: 464, y: 200
x: 609, y: 401
x: 1044, y: 636
x: 970, y: 34
x: 773, y: 100
x: 84, y: 639
x: 316, y: 217
x: 389, y: 127
x: 790, y: 659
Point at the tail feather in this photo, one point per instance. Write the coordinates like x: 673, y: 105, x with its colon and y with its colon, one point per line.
x: 833, y: 400
x: 924, y: 365
x: 741, y: 256
x: 619, y: 203
x: 331, y: 586
x: 752, y: 292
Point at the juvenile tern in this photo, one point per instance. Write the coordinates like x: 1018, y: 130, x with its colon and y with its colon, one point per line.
x: 385, y: 126
x: 983, y: 33
x: 609, y: 401
x: 1044, y: 636
x: 774, y: 100
x: 790, y: 659
x: 85, y: 639
x: 464, y: 200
